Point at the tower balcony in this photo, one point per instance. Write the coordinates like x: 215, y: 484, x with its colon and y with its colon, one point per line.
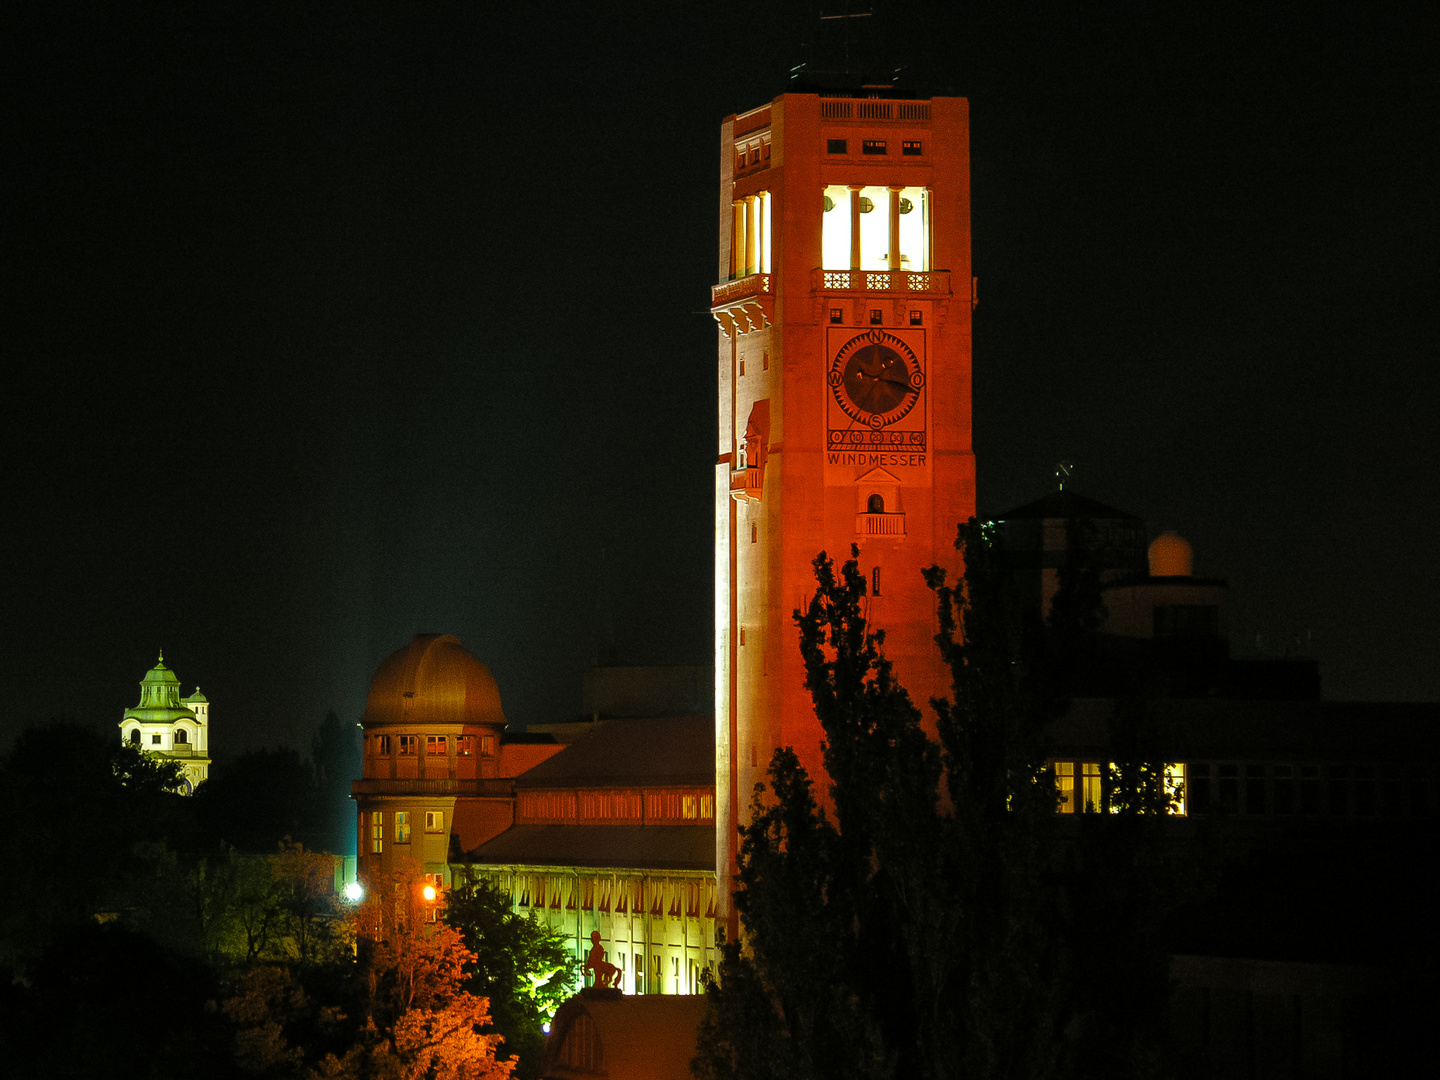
x: 934, y: 283
x: 745, y: 484
x: 880, y: 525
x: 743, y: 305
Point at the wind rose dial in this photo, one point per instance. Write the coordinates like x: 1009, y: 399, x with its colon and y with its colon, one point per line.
x: 876, y: 379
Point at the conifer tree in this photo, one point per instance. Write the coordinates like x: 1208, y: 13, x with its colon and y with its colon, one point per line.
x: 928, y: 930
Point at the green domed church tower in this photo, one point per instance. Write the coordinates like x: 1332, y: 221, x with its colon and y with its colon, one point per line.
x: 164, y: 723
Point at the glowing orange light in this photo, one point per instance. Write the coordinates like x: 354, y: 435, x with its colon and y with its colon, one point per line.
x: 428, y: 892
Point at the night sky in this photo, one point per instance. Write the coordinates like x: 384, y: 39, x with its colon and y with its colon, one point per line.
x: 327, y: 325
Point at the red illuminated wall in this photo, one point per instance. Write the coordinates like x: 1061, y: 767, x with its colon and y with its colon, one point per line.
x: 784, y: 490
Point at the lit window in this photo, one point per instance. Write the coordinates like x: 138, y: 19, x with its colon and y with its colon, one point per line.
x: 1090, y: 798
x: 836, y: 315
x: 915, y: 318
x: 835, y: 232
x: 835, y: 146
x: 874, y: 228
x: 435, y: 745
x: 875, y: 581
x: 409, y: 744
x: 707, y: 806
x: 871, y: 208
x: 487, y: 745
x: 873, y: 146
x: 434, y: 820
x: 1175, y: 787
x: 914, y: 208
x: 377, y: 832
x: 402, y: 825
x: 689, y: 807
x: 1065, y: 786
x: 382, y: 745
x: 465, y: 745
x: 877, y: 317
x: 911, y: 148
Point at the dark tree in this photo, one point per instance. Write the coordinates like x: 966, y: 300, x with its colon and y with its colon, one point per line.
x: 930, y: 929
x: 107, y: 1001
x: 77, y: 801
x: 257, y: 800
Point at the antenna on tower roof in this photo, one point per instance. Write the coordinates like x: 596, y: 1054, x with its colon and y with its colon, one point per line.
x: 845, y: 19
x: 1063, y: 471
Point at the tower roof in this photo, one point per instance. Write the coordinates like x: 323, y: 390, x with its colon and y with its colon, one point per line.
x: 1064, y: 504
x: 433, y: 680
x: 159, y: 698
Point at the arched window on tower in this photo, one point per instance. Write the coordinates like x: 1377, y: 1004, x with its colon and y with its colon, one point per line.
x: 875, y: 505
x: 135, y: 737
x: 181, y: 738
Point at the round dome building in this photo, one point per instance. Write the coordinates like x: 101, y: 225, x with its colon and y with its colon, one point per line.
x: 433, y: 725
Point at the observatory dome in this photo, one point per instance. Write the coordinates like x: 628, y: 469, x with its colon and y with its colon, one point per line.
x: 433, y: 680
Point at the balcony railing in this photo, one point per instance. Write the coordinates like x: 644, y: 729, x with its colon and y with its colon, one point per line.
x: 496, y: 788
x: 899, y: 282
x: 727, y: 292
x: 880, y: 524
x: 745, y: 483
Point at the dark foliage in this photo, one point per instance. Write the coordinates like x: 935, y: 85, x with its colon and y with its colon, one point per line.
x: 256, y: 800
x: 107, y: 1001
x: 76, y: 800
x: 941, y: 925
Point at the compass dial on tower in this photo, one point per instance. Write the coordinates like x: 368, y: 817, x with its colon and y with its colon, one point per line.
x: 876, y: 379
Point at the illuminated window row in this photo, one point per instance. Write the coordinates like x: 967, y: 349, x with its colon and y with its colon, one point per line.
x: 434, y: 823
x: 1081, y: 787
x: 875, y: 228
x: 876, y: 147
x: 684, y: 898
x: 637, y: 917
x: 435, y: 745
x: 750, y: 239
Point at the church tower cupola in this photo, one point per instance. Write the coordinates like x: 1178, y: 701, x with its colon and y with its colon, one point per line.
x: 166, y: 724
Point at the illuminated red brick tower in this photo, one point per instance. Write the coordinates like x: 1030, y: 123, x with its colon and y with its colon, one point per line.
x: 844, y: 373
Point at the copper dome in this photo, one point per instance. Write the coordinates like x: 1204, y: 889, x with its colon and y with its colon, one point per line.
x: 433, y: 680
